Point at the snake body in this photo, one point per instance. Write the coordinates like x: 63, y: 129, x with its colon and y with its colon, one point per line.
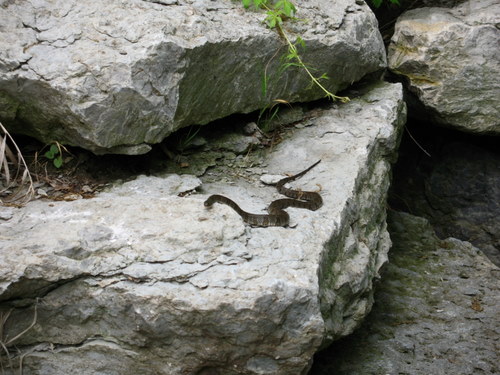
x: 277, y: 216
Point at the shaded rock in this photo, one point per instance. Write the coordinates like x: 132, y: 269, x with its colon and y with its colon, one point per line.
x: 457, y: 188
x: 463, y: 194
x: 451, y: 62
x: 234, y: 142
x: 141, y: 280
x: 435, y: 311
x: 120, y: 79
x: 440, y: 3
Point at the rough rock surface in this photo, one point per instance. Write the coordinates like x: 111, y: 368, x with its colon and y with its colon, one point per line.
x: 140, y: 280
x: 435, y: 311
x: 433, y: 3
x: 451, y: 62
x: 116, y: 78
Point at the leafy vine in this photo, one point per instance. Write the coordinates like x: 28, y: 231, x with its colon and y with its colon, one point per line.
x: 277, y: 12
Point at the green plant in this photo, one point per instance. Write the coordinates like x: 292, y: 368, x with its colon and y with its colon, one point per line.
x: 277, y: 13
x: 269, y: 114
x: 55, y: 154
x: 186, y: 139
x: 378, y: 3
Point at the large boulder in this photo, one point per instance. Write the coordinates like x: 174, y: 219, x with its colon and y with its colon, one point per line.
x: 436, y: 310
x: 143, y: 279
x: 450, y: 60
x: 119, y: 76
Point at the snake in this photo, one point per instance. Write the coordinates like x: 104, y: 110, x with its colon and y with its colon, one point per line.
x: 277, y: 216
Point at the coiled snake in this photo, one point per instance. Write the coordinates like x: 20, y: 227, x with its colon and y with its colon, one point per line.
x: 276, y: 216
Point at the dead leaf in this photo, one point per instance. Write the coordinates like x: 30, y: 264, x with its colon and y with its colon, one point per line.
x: 476, y: 305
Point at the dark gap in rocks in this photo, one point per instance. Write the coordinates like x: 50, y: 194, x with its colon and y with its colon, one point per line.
x: 189, y: 150
x: 457, y: 187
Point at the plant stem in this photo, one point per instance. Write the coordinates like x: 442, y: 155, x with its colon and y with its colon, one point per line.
x: 293, y: 49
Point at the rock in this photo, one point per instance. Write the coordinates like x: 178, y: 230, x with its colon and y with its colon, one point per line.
x: 438, y: 3
x: 143, y: 279
x: 436, y: 310
x: 234, y: 142
x: 119, y: 79
x: 450, y: 60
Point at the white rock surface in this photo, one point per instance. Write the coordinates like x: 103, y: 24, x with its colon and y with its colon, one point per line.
x: 452, y: 62
x: 115, y: 78
x: 142, y: 281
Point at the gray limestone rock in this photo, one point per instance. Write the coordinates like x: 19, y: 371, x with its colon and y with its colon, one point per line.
x: 118, y: 77
x: 451, y: 62
x: 436, y: 311
x: 143, y: 279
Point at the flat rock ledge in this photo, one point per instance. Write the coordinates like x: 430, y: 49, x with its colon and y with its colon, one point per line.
x: 140, y: 280
x: 118, y: 77
x: 451, y: 62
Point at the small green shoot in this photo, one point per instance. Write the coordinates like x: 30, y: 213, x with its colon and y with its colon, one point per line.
x: 187, y: 138
x: 378, y: 3
x: 55, y: 154
x: 266, y: 118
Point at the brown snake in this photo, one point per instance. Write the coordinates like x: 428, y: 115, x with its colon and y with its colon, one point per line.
x: 276, y: 216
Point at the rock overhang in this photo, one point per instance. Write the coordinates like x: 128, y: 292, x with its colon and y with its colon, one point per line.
x: 118, y: 80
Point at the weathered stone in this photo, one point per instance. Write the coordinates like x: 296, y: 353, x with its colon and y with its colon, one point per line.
x: 119, y: 78
x: 140, y: 280
x: 437, y: 3
x: 450, y: 59
x: 435, y: 311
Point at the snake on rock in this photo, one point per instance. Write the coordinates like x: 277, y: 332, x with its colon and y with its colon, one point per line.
x: 276, y: 216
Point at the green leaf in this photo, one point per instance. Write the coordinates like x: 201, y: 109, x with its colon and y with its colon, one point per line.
x: 259, y: 3
x: 271, y: 22
x: 246, y: 3
x: 300, y: 42
x: 288, y: 8
x: 273, y: 19
x: 264, y: 84
x: 377, y: 3
x: 58, y: 162
x: 289, y: 65
x: 53, y: 151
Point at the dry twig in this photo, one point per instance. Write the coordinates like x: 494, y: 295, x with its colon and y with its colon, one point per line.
x: 5, y: 342
x: 10, y: 160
